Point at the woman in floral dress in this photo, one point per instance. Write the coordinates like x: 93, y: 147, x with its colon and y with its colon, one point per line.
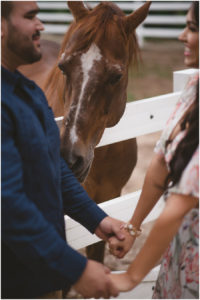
x: 174, y: 172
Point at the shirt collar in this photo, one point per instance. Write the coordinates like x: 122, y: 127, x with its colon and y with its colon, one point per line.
x: 15, y: 78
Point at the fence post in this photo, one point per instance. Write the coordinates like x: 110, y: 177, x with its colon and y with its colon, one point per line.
x: 140, y: 35
x: 180, y: 78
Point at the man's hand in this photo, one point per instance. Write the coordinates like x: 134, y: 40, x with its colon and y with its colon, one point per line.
x: 110, y: 227
x: 120, y: 248
x: 95, y: 282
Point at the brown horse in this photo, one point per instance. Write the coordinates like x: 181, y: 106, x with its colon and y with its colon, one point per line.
x: 91, y: 94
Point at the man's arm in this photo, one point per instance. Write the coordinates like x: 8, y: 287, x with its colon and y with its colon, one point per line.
x: 34, y: 241
x: 80, y: 207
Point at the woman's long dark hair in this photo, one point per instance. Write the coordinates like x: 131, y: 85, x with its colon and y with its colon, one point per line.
x: 195, y: 11
x: 187, y: 146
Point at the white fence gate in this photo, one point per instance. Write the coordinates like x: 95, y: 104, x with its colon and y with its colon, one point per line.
x: 165, y: 19
x: 140, y: 117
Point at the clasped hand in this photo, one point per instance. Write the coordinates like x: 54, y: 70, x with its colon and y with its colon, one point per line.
x: 112, y: 231
x: 120, y: 242
x: 95, y: 280
x: 120, y: 247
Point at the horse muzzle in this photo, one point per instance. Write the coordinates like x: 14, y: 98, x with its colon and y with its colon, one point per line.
x: 79, y: 160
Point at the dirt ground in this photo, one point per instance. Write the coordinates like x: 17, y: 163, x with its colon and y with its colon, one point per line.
x: 155, y: 71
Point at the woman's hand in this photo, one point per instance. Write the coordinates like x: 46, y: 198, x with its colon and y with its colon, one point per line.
x: 123, y: 281
x: 120, y: 248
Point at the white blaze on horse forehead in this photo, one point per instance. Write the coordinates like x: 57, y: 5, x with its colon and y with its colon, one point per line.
x: 87, y: 61
x: 73, y: 135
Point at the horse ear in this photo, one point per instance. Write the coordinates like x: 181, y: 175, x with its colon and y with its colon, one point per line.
x: 78, y: 9
x: 137, y: 17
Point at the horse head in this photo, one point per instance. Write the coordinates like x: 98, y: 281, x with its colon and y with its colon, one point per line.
x: 94, y: 59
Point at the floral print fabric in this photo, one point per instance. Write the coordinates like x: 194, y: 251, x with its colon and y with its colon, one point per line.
x: 179, y: 273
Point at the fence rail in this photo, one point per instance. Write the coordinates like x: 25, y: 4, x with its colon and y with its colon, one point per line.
x: 140, y: 117
x: 123, y: 207
x: 165, y: 20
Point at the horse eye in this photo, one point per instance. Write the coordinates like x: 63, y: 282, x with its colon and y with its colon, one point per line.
x: 61, y: 67
x: 115, y: 78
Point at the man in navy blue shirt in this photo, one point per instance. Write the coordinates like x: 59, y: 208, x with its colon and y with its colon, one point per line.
x: 38, y: 188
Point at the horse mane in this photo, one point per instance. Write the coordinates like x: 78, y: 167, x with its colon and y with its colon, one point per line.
x: 94, y: 28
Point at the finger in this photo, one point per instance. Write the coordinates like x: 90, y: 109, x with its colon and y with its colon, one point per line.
x: 115, y: 253
x: 112, y: 247
x: 113, y: 243
x: 113, y: 290
x: 115, y: 293
x: 122, y: 226
x: 112, y: 240
x: 116, y: 249
x: 106, y: 294
x: 98, y: 295
x: 105, y: 291
x: 107, y: 270
x: 119, y: 234
x: 119, y: 252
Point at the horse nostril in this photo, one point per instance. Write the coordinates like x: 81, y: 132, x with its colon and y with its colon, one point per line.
x: 78, y: 163
x: 74, y: 157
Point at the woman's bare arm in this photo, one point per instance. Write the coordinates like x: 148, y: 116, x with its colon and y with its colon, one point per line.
x: 151, y: 193
x: 152, y: 189
x: 162, y: 233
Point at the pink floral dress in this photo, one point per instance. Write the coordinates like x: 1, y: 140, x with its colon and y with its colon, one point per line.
x: 179, y: 273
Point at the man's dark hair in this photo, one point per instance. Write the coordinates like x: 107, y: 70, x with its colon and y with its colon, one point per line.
x: 6, y: 8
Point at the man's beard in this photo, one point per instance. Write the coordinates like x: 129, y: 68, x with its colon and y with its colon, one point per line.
x: 22, y: 46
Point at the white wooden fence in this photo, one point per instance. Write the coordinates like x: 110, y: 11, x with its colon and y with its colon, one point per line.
x: 140, y: 117
x: 165, y: 19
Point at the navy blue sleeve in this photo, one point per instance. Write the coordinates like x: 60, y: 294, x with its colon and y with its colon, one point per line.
x: 77, y: 204
x: 25, y: 231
